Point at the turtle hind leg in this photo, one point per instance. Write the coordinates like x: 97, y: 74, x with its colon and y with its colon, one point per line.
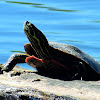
x: 86, y: 72
x: 79, y: 71
x: 13, y: 60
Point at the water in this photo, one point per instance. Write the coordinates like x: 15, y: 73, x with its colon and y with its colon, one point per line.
x: 75, y: 22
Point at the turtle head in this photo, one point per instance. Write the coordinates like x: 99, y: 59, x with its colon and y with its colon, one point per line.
x: 38, y: 41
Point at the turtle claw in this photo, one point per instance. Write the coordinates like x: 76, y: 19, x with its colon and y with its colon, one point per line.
x: 1, y: 70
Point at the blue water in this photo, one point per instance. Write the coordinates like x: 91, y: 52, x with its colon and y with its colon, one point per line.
x: 75, y: 22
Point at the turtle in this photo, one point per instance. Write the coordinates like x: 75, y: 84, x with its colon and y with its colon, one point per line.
x: 54, y: 59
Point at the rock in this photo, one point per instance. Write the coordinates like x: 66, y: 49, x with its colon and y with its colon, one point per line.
x: 22, y: 84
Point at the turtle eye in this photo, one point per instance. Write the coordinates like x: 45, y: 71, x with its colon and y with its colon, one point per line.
x: 28, y: 24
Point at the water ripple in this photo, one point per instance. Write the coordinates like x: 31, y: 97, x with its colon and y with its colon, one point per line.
x: 37, y: 5
x: 72, y: 41
x: 56, y: 9
x: 24, y: 3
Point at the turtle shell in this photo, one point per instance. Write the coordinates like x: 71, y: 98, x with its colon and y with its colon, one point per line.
x: 76, y: 52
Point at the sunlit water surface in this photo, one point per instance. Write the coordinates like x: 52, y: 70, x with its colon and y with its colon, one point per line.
x: 75, y: 22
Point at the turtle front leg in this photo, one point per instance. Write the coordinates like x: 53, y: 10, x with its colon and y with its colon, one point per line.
x: 29, y: 50
x: 13, y: 60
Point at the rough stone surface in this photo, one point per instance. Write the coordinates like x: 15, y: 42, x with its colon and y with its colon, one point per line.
x: 22, y: 84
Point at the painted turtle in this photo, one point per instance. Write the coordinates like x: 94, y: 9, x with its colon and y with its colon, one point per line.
x: 56, y: 60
